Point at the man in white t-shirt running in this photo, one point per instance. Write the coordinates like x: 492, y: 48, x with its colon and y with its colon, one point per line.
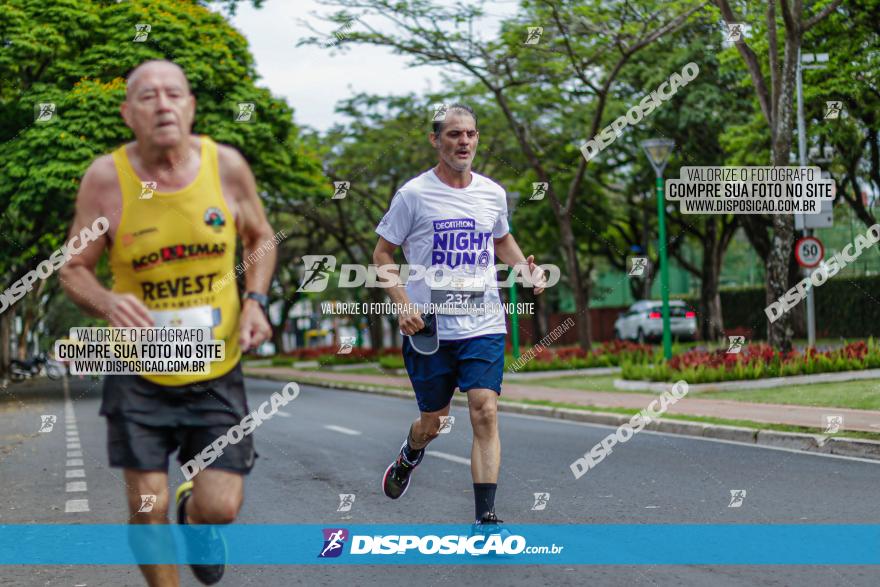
x: 453, y: 222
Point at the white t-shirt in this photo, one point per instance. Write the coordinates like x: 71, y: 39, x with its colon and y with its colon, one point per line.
x: 451, y: 228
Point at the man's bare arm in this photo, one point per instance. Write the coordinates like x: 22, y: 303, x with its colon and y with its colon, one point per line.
x: 253, y: 226
x: 410, y: 321
x: 255, y: 232
x: 78, y: 276
x: 507, y: 249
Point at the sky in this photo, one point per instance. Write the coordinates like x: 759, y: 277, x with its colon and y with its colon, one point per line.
x: 311, y: 79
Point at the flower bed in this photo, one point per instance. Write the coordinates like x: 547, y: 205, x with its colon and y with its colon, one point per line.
x: 757, y: 361
x: 609, y: 354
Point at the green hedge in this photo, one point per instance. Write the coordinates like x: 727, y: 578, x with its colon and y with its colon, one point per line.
x: 846, y: 307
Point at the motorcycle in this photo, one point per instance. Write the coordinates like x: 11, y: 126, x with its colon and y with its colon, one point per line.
x: 21, y: 370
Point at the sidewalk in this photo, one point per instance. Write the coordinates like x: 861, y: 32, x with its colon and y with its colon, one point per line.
x: 792, y: 415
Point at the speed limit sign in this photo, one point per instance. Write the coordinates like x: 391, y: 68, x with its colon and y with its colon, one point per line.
x: 809, y: 252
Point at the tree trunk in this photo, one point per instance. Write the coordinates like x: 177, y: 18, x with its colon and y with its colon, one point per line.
x: 375, y: 325
x: 395, y: 331
x: 579, y: 291
x: 780, y: 332
x: 711, y: 318
x: 278, y: 329
x: 5, y: 340
x: 22, y: 351
x: 541, y: 319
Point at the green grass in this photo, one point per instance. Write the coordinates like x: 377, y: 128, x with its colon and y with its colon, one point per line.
x: 706, y: 420
x: 579, y: 382
x: 858, y: 395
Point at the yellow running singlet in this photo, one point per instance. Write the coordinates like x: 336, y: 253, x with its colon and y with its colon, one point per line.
x: 170, y: 250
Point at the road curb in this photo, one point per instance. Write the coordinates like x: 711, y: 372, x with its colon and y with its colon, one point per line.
x: 807, y: 443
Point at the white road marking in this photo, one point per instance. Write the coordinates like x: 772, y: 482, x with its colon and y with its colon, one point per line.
x: 73, y: 506
x: 282, y: 414
x: 449, y: 457
x: 342, y: 430
x: 76, y: 505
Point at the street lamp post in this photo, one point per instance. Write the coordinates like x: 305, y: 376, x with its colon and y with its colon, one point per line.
x: 512, y: 199
x: 658, y: 152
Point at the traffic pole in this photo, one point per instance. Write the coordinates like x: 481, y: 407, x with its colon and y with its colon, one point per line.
x: 664, y: 269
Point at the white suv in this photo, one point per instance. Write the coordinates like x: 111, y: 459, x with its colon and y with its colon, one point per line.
x: 644, y: 321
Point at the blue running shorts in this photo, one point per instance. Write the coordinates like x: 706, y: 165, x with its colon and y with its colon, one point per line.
x: 470, y: 363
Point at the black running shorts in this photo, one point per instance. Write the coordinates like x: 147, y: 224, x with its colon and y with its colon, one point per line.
x: 147, y: 422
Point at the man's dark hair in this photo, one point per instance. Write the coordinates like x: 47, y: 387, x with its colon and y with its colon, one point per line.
x: 458, y: 106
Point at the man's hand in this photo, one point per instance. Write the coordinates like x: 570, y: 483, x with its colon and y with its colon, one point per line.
x: 128, y: 311
x: 410, y: 322
x: 539, y: 278
x: 253, y: 325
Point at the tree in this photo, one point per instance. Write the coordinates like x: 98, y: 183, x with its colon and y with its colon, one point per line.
x: 75, y: 55
x: 776, y: 100
x: 571, y: 73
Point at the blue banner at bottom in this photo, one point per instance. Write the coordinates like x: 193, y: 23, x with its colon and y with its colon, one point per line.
x: 615, y: 544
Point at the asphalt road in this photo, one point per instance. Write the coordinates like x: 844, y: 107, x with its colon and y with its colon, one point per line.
x: 329, y: 442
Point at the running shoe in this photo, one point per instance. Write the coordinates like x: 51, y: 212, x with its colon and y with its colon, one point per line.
x: 396, y: 479
x: 201, y: 539
x: 489, y: 524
